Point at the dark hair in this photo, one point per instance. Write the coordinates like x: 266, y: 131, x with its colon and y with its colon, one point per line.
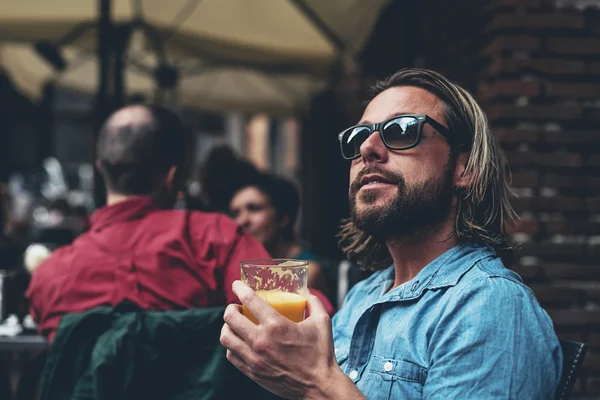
x: 222, y: 175
x: 484, y: 209
x: 284, y: 197
x: 135, y: 155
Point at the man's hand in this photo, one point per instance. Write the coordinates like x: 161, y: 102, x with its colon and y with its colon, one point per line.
x: 292, y: 360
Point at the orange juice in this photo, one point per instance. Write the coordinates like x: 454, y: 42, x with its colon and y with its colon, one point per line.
x: 289, y: 305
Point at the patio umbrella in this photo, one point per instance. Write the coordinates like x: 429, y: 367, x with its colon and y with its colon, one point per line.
x: 247, y: 55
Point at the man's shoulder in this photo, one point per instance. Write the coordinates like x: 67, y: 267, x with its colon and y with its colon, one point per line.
x: 58, y: 259
x: 490, y: 278
x: 491, y: 269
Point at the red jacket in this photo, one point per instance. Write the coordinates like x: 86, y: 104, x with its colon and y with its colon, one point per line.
x: 157, y: 259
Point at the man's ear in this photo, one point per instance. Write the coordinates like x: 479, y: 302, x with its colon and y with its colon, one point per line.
x: 462, y: 179
x: 171, y: 176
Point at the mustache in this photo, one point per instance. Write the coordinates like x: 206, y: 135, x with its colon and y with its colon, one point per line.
x: 392, y: 177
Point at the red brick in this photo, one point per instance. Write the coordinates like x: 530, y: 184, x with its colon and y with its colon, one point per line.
x: 552, y: 296
x: 594, y: 204
x: 536, y: 65
x: 572, y: 225
x: 570, y: 181
x: 593, y: 249
x: 591, y: 183
x: 594, y: 113
x: 516, y: 42
x: 528, y: 273
x: 555, y: 20
x: 509, y: 88
x: 574, y: 89
x: 593, y: 340
x: 574, y: 45
x: 559, y: 181
x: 575, y: 318
x: 572, y: 336
x: 522, y: 204
x: 592, y: 295
x: 570, y: 137
x: 594, y: 68
x: 524, y: 225
x: 594, y: 160
x: 561, y: 159
x: 496, y: 4
x: 520, y: 158
x: 592, y: 363
x: 525, y: 179
x: 558, y: 20
x: 505, y: 135
x: 571, y: 271
x: 593, y: 383
x: 535, y: 112
x: 558, y: 249
x: 559, y: 203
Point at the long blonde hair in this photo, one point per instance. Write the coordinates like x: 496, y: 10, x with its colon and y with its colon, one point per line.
x: 484, y: 209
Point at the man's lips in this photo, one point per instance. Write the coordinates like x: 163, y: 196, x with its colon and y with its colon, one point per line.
x: 373, y: 180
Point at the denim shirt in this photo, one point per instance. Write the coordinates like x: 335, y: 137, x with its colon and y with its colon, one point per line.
x: 465, y: 327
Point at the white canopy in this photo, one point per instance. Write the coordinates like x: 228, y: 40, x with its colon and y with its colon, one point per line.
x: 248, y: 55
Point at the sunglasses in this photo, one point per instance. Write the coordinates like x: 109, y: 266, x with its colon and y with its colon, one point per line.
x: 398, y: 133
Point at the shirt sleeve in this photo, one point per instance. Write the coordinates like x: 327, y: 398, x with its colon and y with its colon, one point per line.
x: 501, y: 349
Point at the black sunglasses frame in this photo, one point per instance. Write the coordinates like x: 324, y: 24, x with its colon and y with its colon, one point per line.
x: 378, y: 127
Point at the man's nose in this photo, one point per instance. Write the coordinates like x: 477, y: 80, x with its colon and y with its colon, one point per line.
x: 373, y: 149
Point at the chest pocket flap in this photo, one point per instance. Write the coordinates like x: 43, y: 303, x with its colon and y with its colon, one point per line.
x: 399, y: 369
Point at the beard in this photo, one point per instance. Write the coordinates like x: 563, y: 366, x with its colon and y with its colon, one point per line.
x: 412, y: 214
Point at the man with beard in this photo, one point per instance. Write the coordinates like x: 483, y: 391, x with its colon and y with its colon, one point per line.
x: 442, y: 317
x: 139, y: 250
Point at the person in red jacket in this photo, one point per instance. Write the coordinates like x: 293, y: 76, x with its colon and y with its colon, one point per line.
x: 138, y: 249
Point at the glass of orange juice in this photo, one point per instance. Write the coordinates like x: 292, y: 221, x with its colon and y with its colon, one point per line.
x: 282, y: 283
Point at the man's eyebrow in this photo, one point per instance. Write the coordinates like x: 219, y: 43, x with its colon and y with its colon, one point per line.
x: 392, y: 115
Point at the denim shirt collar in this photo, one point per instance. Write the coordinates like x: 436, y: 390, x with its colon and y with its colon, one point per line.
x: 444, y: 271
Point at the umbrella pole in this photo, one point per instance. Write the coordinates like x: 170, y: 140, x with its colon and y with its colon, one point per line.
x: 102, y: 105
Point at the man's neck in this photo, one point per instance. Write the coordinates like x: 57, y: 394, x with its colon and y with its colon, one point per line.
x: 410, y: 257
x: 116, y: 198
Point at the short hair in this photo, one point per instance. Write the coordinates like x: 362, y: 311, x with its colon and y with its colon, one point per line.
x: 284, y: 197
x: 484, y: 209
x: 135, y: 155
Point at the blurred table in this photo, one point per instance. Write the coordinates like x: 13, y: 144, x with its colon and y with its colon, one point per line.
x: 27, y: 342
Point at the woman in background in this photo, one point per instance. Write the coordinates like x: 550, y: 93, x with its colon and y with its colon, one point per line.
x: 267, y: 208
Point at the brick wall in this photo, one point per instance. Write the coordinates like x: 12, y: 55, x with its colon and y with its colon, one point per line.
x: 534, y: 65
x: 541, y: 90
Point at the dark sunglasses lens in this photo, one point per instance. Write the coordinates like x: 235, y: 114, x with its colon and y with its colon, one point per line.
x: 352, y: 139
x: 401, y: 132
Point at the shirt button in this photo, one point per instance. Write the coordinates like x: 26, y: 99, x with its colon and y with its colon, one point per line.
x: 353, y: 374
x: 387, y: 367
x: 335, y: 351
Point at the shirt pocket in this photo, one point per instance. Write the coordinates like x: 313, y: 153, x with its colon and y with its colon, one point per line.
x: 391, y: 378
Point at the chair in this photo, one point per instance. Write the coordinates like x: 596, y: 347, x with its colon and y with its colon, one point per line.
x: 128, y: 353
x: 573, y: 355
